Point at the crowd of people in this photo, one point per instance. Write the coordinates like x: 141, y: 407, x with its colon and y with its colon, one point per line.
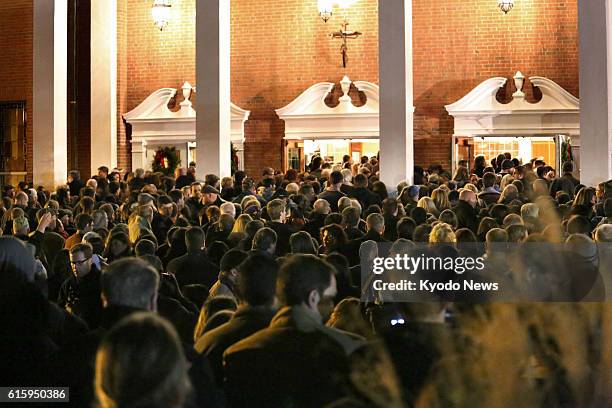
x: 137, y: 289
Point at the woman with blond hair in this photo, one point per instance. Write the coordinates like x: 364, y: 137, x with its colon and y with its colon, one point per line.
x: 442, y: 233
x: 427, y: 203
x: 239, y: 231
x: 509, y: 194
x: 506, y: 180
x: 440, y: 199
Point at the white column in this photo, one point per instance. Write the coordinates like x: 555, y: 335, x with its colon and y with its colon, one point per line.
x: 396, y: 95
x: 103, y: 84
x: 49, y: 108
x: 213, y: 121
x: 595, y: 30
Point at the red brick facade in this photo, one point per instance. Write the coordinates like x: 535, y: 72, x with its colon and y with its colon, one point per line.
x: 16, y: 68
x: 281, y: 48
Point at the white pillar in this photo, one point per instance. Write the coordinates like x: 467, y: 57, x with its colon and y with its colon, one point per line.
x: 103, y: 84
x: 396, y: 95
x: 50, y: 99
x: 595, y: 29
x: 213, y: 121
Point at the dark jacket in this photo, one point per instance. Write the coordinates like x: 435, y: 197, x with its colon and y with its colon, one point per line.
x: 82, y: 297
x: 365, y: 197
x: 246, y: 321
x: 314, y: 226
x: 295, y: 362
x: 75, y: 363
x: 283, y: 233
x: 332, y: 198
x: 193, y: 268
x: 566, y: 183
x: 466, y: 216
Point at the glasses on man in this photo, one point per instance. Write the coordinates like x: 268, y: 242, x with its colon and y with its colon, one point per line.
x: 77, y: 263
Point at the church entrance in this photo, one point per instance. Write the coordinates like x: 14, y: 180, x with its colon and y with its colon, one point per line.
x: 300, y: 152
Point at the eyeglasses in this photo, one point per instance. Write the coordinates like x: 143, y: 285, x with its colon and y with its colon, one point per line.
x: 80, y: 262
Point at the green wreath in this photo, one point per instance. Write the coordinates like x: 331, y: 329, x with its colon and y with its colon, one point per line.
x: 166, y: 160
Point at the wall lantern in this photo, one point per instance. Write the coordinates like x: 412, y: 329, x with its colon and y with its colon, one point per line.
x: 325, y: 9
x: 505, y: 5
x: 161, y: 13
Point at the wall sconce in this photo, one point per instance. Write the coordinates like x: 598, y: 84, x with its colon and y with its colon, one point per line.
x: 325, y: 9
x: 326, y: 12
x: 161, y: 13
x: 505, y: 5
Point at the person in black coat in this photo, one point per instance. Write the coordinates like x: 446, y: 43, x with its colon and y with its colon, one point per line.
x: 296, y: 361
x: 80, y: 293
x: 465, y: 210
x: 360, y: 191
x: 277, y: 213
x: 256, y: 286
x: 194, y: 267
x: 375, y: 225
x: 127, y: 286
x: 320, y: 210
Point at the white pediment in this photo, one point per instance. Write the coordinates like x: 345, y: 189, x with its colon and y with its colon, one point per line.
x: 154, y: 124
x: 479, y: 112
x: 308, y: 117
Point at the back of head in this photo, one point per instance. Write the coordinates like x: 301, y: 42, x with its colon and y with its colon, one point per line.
x: 257, y: 280
x: 321, y: 206
x: 496, y: 235
x: 300, y: 275
x: 194, y: 239
x: 350, y: 216
x: 140, y: 363
x: 442, y: 233
x: 603, y: 233
x: 360, y: 180
x: 226, y: 222
x: 516, y: 232
x: 228, y: 208
x: 568, y: 167
x: 231, y: 259
x: 579, y: 224
x: 512, y: 219
x: 530, y: 210
x: 336, y: 178
x: 82, y: 221
x: 275, y: 209
x: 130, y: 282
x: 16, y: 264
x: 301, y: 243
x: 488, y: 180
x: 264, y: 239
x: 405, y: 228
x: 145, y: 247
x: 376, y: 223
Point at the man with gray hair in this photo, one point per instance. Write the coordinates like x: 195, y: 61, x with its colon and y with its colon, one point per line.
x: 375, y: 228
x: 228, y: 208
x: 320, y: 210
x: 130, y: 283
x: 128, y: 286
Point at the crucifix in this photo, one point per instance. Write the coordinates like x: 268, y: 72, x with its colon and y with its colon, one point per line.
x: 345, y: 35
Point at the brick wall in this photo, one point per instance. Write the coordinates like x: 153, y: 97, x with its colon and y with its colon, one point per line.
x: 281, y: 48
x: 16, y: 47
x: 459, y: 44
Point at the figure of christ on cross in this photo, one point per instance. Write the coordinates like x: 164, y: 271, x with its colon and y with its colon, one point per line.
x: 345, y: 35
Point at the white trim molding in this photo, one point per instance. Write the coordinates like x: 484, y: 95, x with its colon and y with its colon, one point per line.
x: 309, y: 118
x: 153, y: 125
x: 479, y: 113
